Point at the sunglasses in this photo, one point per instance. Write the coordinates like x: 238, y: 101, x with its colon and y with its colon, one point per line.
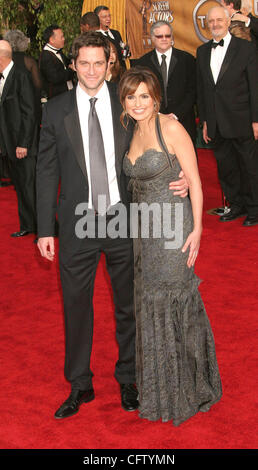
x: 160, y: 36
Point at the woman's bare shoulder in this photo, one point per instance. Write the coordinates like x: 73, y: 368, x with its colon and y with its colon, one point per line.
x: 169, y: 124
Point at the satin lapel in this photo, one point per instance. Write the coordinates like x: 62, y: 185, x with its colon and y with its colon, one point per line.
x: 231, y: 51
x: 117, y: 127
x: 155, y: 61
x: 207, y: 61
x: 73, y: 130
x: 173, y: 62
x: 8, y: 83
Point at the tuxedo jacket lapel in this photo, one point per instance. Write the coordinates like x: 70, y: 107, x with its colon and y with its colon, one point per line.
x: 173, y: 62
x: 117, y: 128
x: 207, y: 61
x: 73, y: 130
x: 232, y: 49
x: 155, y: 61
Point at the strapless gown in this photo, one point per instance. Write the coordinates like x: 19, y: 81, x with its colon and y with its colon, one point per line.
x: 177, y: 373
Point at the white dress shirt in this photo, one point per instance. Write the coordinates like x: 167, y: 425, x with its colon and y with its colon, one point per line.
x: 58, y: 55
x: 106, y: 32
x: 5, y: 73
x: 104, y: 112
x: 217, y: 56
x: 168, y: 55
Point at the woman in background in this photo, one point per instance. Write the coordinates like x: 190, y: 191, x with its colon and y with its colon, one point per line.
x: 20, y: 43
x: 115, y: 70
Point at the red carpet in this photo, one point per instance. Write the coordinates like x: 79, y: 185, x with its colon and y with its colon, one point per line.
x: 32, y: 346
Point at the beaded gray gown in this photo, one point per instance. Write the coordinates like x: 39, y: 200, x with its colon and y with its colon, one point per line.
x: 176, y: 368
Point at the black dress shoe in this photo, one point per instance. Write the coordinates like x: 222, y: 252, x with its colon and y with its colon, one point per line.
x: 251, y: 220
x: 129, y: 397
x: 22, y: 233
x: 73, y: 403
x: 233, y: 214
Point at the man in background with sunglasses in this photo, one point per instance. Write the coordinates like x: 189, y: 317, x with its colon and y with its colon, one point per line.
x: 176, y: 72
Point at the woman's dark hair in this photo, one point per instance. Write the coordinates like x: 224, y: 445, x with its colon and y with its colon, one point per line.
x: 130, y: 81
x: 116, y: 69
x: 90, y: 39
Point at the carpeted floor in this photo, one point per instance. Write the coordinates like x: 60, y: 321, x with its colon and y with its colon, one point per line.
x: 32, y: 345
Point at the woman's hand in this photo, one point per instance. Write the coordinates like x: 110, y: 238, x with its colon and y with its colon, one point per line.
x: 193, y: 242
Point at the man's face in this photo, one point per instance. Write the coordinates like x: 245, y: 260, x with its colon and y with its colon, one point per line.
x: 57, y: 40
x: 218, y: 23
x: 91, y: 68
x: 162, y: 38
x: 105, y: 19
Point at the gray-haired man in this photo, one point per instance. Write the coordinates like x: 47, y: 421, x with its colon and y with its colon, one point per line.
x: 175, y: 70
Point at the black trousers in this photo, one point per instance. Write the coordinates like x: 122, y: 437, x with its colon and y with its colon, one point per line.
x: 22, y: 173
x: 237, y: 161
x: 77, y: 273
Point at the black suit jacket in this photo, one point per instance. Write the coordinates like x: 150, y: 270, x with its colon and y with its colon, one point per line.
x: 231, y: 103
x: 61, y: 158
x: 116, y: 41
x: 181, y: 86
x: 18, y: 122
x: 55, y: 75
x: 254, y: 29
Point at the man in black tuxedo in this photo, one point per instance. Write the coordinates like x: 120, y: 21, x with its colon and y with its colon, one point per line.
x: 176, y: 72
x: 82, y: 129
x: 54, y: 65
x: 227, y: 71
x: 113, y: 35
x: 19, y: 135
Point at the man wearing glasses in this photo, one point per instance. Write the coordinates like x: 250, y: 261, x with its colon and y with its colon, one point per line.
x: 175, y: 70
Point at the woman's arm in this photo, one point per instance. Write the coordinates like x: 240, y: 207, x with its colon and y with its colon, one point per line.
x: 180, y: 143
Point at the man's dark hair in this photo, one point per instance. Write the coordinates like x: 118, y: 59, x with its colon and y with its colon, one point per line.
x: 91, y: 19
x: 49, y: 31
x: 100, y: 8
x: 236, y: 4
x: 91, y: 39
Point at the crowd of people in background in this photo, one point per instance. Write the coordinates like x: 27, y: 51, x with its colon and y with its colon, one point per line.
x: 53, y: 73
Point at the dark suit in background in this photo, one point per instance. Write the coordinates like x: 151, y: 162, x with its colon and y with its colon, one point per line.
x: 229, y: 107
x: 55, y: 74
x: 117, y: 42
x: 19, y: 128
x: 181, y: 86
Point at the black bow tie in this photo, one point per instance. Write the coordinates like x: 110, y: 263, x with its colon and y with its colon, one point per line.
x: 58, y: 51
x: 215, y: 44
x: 1, y: 75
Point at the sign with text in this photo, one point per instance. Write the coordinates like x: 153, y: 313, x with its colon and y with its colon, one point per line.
x: 188, y: 19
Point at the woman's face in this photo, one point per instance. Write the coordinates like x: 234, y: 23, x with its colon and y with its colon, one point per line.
x: 140, y: 105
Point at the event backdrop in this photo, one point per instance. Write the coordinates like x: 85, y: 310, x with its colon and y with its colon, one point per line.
x: 133, y: 18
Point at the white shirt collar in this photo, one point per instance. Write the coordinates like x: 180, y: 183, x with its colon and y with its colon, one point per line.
x: 100, y: 95
x: 7, y: 69
x: 226, y: 38
x: 168, y: 54
x: 50, y: 48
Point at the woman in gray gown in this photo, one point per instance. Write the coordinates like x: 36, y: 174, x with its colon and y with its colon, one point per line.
x: 176, y: 366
